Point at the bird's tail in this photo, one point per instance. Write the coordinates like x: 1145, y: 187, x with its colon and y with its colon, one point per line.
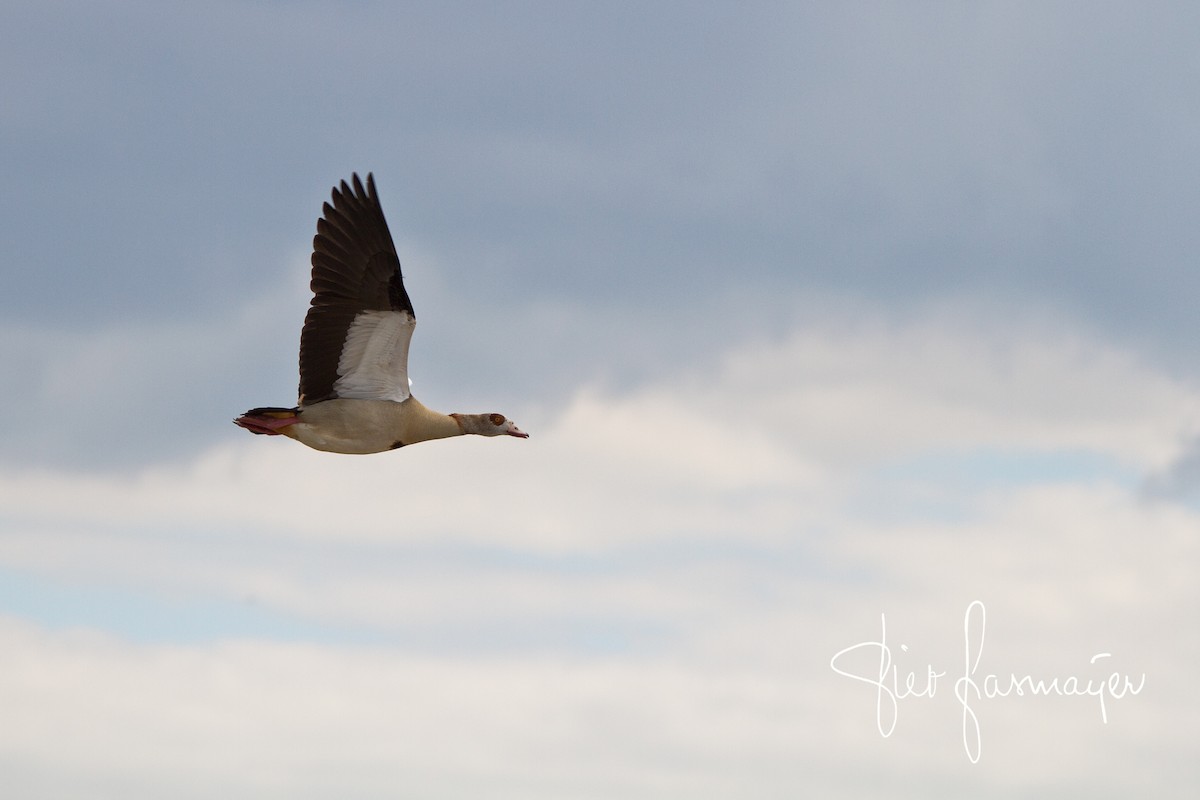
x: 267, y: 420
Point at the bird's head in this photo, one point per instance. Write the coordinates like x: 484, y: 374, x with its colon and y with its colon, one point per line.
x: 489, y: 425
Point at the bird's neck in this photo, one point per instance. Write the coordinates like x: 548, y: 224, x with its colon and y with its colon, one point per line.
x: 424, y: 423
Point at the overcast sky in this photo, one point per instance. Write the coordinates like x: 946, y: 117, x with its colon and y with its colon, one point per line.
x: 826, y: 320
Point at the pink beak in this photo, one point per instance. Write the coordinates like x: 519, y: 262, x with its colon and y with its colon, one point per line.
x: 513, y: 430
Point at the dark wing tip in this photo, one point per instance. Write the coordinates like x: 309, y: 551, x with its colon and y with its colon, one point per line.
x: 354, y: 191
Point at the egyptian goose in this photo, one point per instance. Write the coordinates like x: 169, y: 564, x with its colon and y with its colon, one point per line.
x: 354, y: 387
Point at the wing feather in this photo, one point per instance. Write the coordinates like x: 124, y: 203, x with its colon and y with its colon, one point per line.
x: 359, y: 324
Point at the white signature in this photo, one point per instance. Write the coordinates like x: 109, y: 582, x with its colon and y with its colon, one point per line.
x: 890, y: 690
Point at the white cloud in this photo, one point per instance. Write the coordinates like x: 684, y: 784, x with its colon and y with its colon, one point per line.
x: 792, y: 421
x: 721, y: 532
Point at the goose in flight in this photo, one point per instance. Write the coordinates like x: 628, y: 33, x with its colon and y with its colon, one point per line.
x: 354, y: 387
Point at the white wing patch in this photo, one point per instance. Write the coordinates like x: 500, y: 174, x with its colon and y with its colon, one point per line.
x: 374, y: 362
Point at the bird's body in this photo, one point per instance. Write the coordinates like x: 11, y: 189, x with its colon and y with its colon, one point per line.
x: 354, y: 387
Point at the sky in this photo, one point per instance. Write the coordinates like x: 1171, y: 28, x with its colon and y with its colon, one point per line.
x: 856, y: 343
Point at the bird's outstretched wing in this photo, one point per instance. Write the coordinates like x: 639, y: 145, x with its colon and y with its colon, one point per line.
x: 356, y: 335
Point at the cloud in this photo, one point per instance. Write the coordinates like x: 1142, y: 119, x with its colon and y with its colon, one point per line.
x: 146, y: 389
x: 735, y: 693
x: 738, y: 259
x: 644, y: 597
x: 254, y: 720
x: 815, y: 451
x: 885, y: 154
x: 1181, y: 478
x: 795, y: 418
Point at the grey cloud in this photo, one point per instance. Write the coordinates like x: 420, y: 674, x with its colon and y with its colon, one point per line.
x: 639, y: 162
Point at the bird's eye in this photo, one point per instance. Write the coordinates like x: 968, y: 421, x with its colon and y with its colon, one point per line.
x: 497, y: 419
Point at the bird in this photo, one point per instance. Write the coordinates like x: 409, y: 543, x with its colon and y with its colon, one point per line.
x: 355, y: 394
